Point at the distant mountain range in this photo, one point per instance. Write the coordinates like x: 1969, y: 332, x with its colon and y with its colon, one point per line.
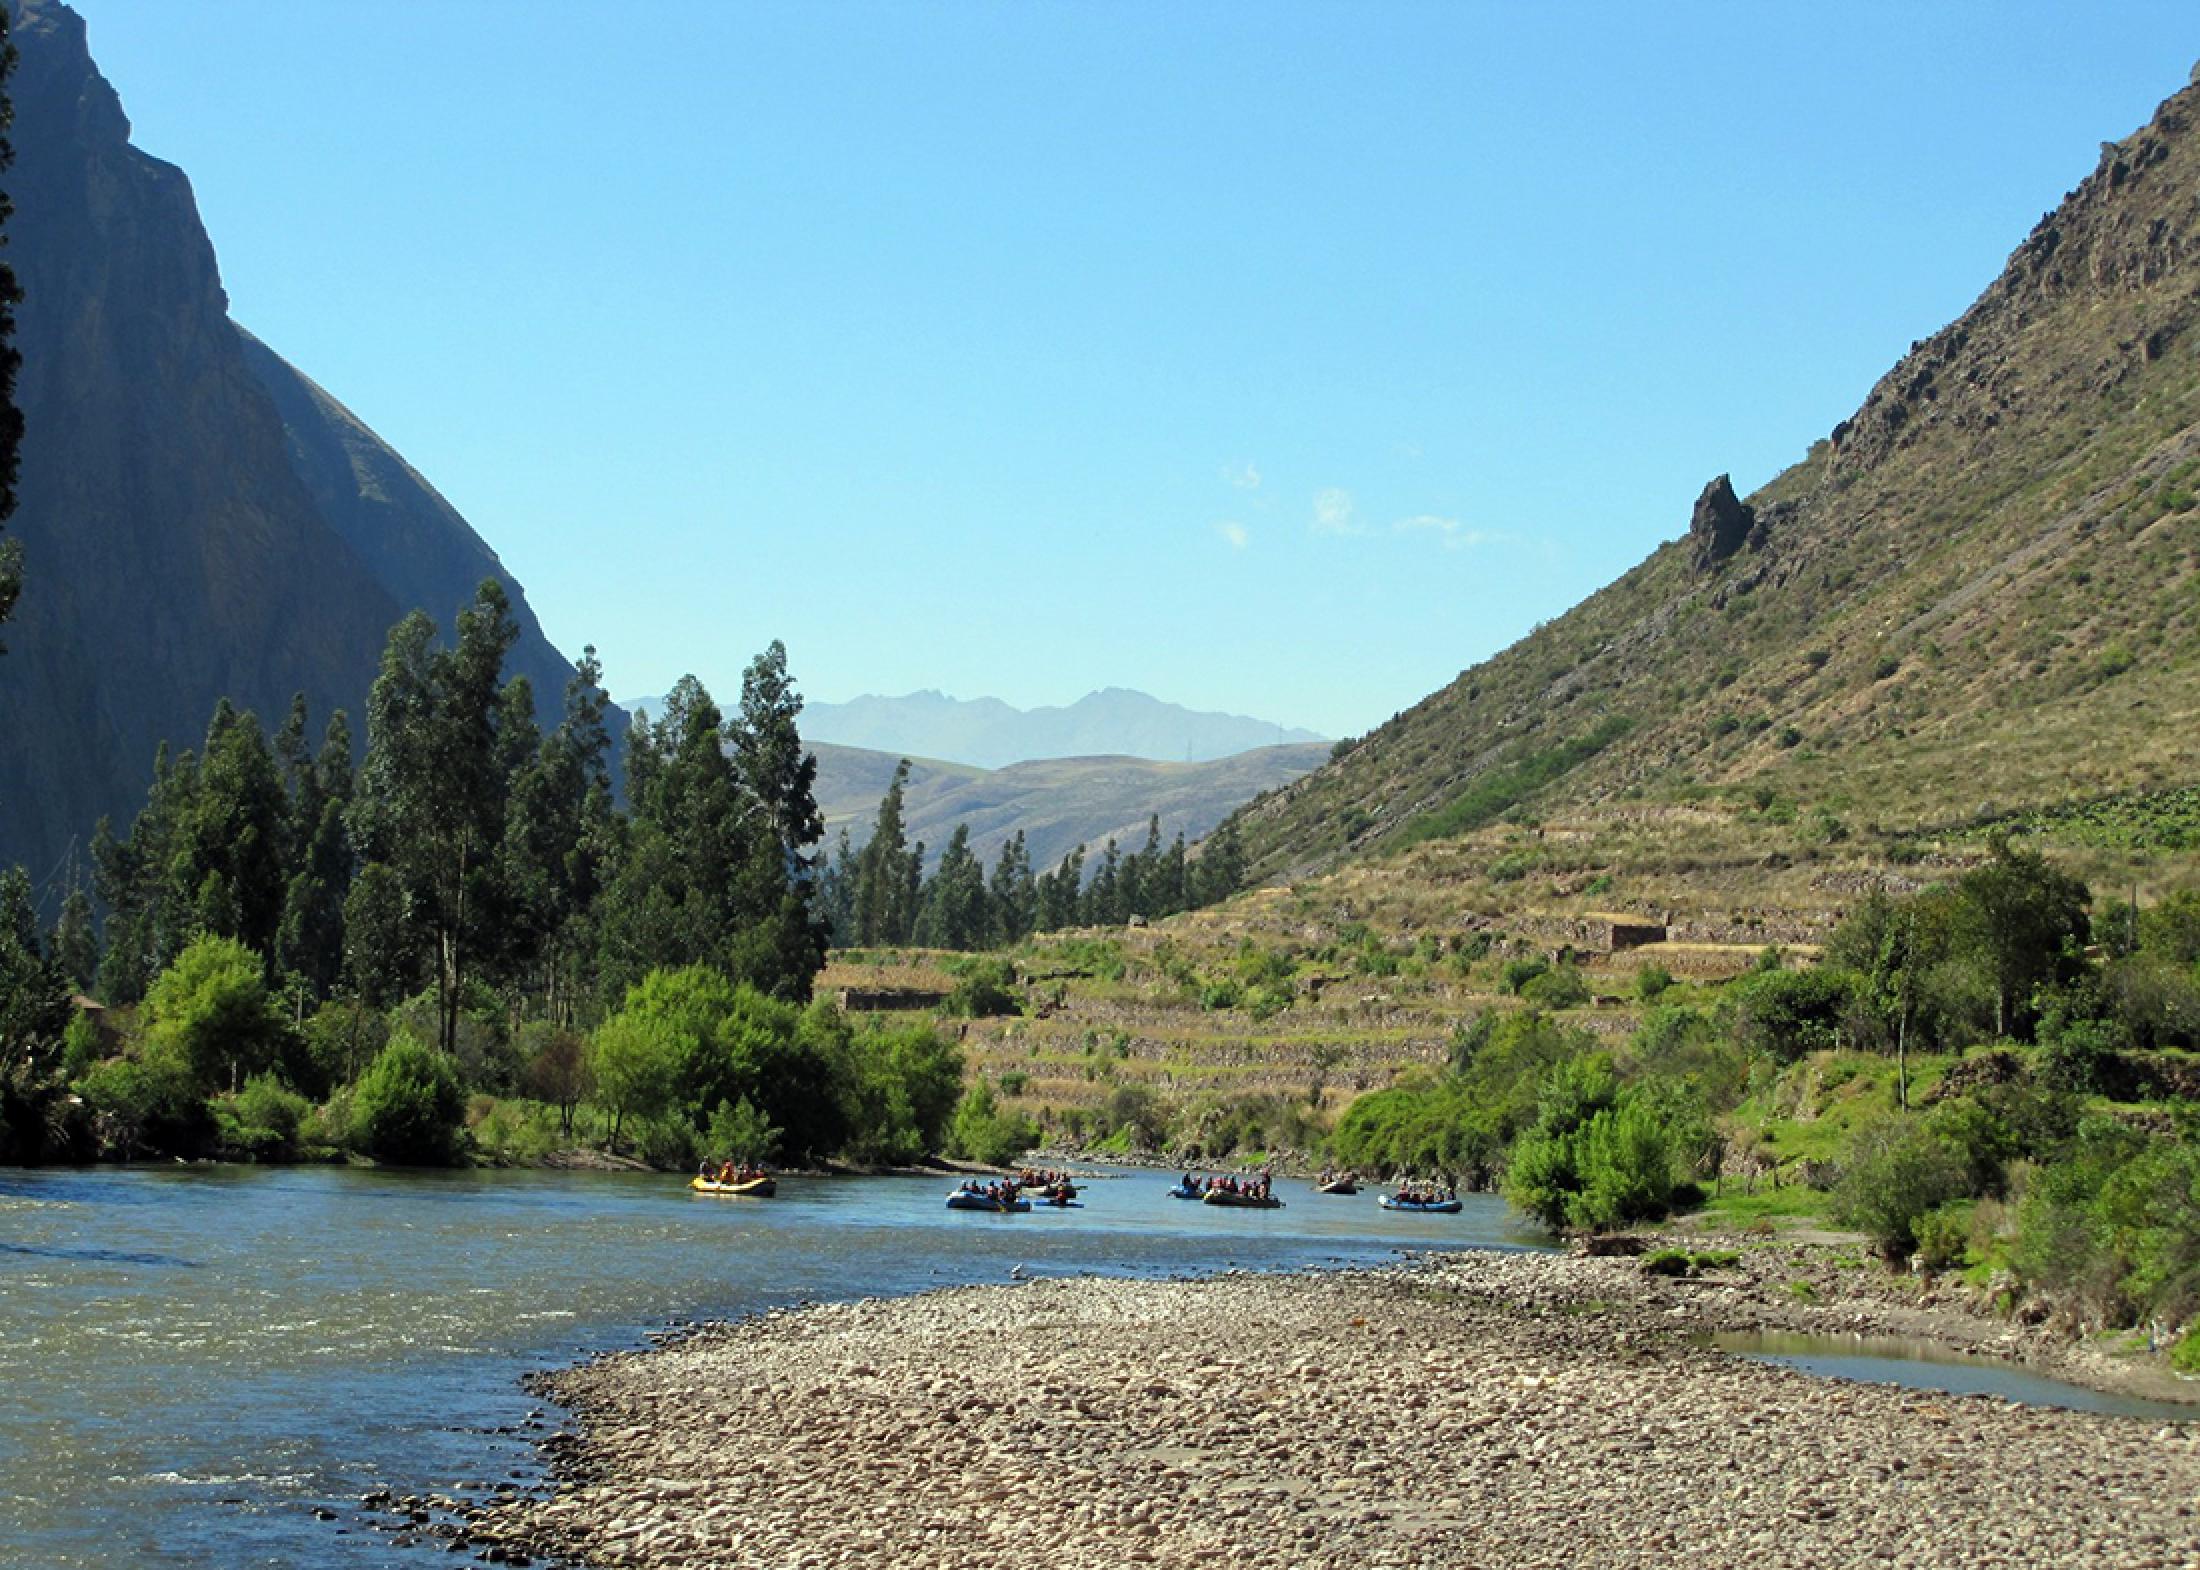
x: 990, y: 734
x: 199, y: 520
x: 1058, y: 803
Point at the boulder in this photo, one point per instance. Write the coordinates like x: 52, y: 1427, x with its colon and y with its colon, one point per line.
x: 1719, y: 525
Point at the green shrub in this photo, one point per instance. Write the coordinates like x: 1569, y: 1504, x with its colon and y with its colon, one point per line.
x: 668, y: 1143
x: 740, y: 1133
x: 146, y: 1104
x: 2185, y: 1355
x: 262, y: 1121
x: 1666, y: 1262
x: 1218, y: 995
x: 1944, y: 1235
x: 1597, y: 1157
x: 1651, y: 982
x: 1560, y: 987
x: 985, y: 990
x: 982, y: 1132
x: 212, y: 1008
x: 407, y: 1109
x: 1788, y: 1014
x: 1517, y: 973
x: 1135, y: 1116
x: 80, y: 1047
x: 1896, y: 1172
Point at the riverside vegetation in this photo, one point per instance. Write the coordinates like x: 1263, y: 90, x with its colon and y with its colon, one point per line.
x: 463, y: 948
x: 1987, y: 1073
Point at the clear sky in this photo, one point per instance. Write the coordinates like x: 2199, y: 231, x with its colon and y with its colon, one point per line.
x: 1277, y: 358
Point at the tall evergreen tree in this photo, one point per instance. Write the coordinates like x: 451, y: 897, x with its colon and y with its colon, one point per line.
x: 310, y: 945
x: 1059, y: 893
x: 1102, y: 904
x: 1174, y: 892
x: 148, y: 920
x: 836, y: 892
x: 231, y: 864
x: 885, y: 911
x: 34, y: 1002
x: 1220, y: 871
x: 1013, y: 898
x: 778, y: 770
x: 432, y: 795
x: 687, y: 886
x: 955, y: 914
x: 74, y: 947
x: 559, y: 840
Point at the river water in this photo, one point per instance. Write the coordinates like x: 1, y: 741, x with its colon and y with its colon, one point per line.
x: 194, y: 1359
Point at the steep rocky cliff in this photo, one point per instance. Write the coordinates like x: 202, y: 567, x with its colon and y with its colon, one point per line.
x: 183, y: 542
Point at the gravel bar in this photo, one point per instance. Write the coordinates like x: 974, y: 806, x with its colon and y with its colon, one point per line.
x: 1470, y: 1410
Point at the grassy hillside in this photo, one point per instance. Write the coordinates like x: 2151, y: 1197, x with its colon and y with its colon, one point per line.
x: 1057, y: 803
x: 1976, y: 598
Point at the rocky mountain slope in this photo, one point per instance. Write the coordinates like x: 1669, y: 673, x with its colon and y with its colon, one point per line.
x: 1977, y: 596
x: 198, y: 520
x: 991, y: 734
x: 1057, y: 803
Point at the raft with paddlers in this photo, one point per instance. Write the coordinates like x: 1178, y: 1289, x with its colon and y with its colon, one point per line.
x: 749, y: 1188
x: 1446, y: 1205
x: 1343, y: 1186
x: 1243, y: 1199
x: 995, y: 1199
x: 1187, y: 1189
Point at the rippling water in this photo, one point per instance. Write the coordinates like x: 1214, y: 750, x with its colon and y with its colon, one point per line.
x: 193, y: 1359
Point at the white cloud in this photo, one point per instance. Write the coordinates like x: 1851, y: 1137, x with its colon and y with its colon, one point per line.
x: 1241, y: 476
x: 1333, y: 512
x: 1456, y: 536
x: 1235, y: 534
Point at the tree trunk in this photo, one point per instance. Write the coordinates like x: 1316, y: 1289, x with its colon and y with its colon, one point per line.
x: 1902, y: 1058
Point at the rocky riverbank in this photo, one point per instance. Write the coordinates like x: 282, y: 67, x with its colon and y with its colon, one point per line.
x: 1471, y: 1410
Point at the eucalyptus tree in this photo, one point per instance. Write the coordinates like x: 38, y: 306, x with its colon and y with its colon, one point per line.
x: 431, y: 796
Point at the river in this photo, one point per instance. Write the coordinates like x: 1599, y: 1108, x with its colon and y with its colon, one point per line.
x: 193, y: 1360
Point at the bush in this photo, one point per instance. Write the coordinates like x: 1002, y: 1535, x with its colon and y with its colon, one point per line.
x: 1597, y: 1156
x: 1896, y: 1172
x: 1944, y: 1235
x: 212, y: 1008
x: 1218, y: 995
x: 145, y: 1104
x: 1651, y: 982
x: 2185, y: 1355
x: 1560, y: 987
x: 740, y: 1133
x: 407, y: 1109
x: 1135, y: 1113
x: 1789, y: 1014
x: 900, y: 1088
x: 261, y: 1122
x: 2076, y: 1054
x: 634, y: 1061
x: 984, y: 990
x: 1517, y: 973
x: 982, y: 1132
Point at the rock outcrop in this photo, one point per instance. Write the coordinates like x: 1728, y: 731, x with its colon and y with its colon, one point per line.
x: 1719, y: 526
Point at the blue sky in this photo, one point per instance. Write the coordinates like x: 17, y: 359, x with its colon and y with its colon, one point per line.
x: 1277, y: 358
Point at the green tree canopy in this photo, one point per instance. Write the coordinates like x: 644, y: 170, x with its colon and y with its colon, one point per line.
x: 212, y: 1008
